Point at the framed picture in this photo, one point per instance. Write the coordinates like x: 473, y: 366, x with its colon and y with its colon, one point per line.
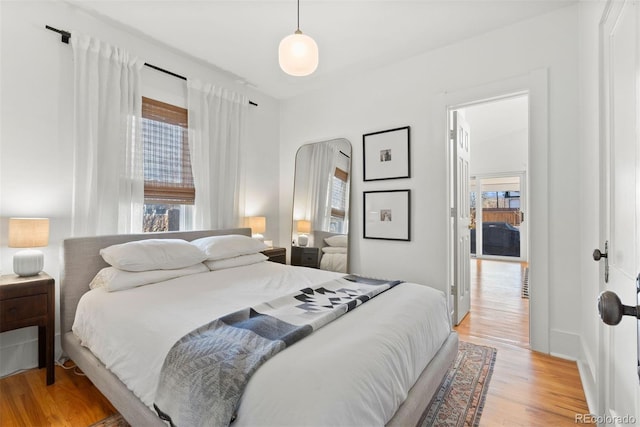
x: 386, y: 154
x: 387, y: 215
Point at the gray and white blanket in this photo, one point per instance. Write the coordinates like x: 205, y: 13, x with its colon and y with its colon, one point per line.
x: 206, y: 371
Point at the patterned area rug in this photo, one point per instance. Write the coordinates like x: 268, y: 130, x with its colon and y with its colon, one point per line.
x: 461, y: 397
x: 525, y: 283
x: 114, y: 420
x: 459, y: 401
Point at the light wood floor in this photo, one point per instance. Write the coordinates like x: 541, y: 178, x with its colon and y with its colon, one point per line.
x: 526, y: 389
x: 72, y: 401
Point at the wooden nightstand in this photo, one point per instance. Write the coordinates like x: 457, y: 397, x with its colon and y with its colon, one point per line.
x: 276, y: 255
x: 30, y: 301
x: 305, y: 256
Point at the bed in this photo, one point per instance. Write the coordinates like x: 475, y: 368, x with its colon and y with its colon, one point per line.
x: 333, y: 250
x: 341, y: 339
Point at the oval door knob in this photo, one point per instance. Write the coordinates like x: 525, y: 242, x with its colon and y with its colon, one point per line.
x: 597, y: 255
x: 611, y: 308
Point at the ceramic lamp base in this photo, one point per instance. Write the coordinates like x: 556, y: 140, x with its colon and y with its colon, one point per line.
x: 303, y: 240
x: 28, y: 262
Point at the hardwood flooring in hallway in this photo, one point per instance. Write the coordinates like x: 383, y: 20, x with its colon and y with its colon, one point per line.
x: 527, y: 388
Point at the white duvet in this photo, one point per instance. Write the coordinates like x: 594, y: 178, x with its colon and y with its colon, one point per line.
x: 356, y: 370
x: 334, y: 261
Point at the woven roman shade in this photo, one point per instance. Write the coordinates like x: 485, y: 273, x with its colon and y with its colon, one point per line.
x: 339, y: 193
x: 167, y: 163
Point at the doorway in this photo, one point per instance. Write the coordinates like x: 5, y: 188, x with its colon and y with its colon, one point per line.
x: 534, y: 84
x: 492, y: 188
x: 498, y: 225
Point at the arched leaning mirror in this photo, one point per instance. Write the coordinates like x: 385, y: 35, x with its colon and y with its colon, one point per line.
x: 321, y: 205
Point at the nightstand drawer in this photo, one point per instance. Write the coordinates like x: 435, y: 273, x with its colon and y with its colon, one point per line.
x: 305, y: 256
x: 308, y: 258
x: 16, y: 309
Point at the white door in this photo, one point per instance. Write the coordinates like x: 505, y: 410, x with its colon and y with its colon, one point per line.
x: 462, y: 220
x: 619, y: 387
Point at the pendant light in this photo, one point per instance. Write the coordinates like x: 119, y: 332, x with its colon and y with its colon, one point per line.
x: 298, y: 53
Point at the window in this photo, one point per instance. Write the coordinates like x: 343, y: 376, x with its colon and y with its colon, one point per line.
x: 339, y: 195
x: 169, y: 192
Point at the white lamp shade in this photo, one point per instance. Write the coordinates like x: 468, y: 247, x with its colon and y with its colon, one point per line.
x: 303, y: 226
x: 298, y: 54
x: 258, y: 224
x: 28, y: 232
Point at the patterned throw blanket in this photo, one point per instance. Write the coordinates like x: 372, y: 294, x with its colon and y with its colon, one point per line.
x: 206, y: 371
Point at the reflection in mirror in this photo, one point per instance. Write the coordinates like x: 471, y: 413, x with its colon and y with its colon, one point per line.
x: 321, y: 205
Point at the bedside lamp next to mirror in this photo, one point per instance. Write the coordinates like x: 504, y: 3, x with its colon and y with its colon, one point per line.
x: 28, y: 233
x: 303, y: 227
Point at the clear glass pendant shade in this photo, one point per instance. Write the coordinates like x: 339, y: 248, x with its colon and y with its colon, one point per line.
x: 298, y: 54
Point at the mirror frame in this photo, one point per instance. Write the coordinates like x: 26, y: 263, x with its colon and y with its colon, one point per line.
x: 307, y: 241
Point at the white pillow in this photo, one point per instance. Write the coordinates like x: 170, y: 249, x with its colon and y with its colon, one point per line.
x: 236, y: 261
x: 334, y: 250
x: 228, y: 246
x: 340, y: 240
x: 113, y: 279
x: 153, y: 254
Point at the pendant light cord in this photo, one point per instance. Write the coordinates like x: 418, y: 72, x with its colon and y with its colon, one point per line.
x: 298, y: 15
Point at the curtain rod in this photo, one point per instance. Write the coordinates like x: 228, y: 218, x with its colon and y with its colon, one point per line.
x: 65, y: 35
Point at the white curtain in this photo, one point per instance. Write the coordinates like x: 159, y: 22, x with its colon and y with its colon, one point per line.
x: 217, y: 119
x: 108, y: 178
x: 322, y: 166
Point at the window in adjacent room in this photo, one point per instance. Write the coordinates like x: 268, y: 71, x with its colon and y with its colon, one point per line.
x: 339, y: 194
x: 169, y: 192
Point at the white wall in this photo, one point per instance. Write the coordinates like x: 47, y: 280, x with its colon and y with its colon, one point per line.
x: 402, y: 94
x: 36, y: 123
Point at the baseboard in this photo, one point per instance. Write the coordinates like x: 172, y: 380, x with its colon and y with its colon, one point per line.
x: 566, y: 345
x: 589, y: 386
x: 587, y: 368
x: 19, y: 356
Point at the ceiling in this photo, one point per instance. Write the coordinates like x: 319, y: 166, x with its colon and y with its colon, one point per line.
x: 241, y: 37
x: 492, y: 120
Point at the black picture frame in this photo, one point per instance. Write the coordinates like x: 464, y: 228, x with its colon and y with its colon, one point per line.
x: 387, y: 215
x: 386, y: 154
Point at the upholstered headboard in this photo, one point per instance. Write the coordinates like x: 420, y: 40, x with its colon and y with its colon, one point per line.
x: 81, y: 261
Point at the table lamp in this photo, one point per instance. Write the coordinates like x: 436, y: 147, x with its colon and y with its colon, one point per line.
x: 28, y: 233
x: 303, y: 227
x: 258, y: 225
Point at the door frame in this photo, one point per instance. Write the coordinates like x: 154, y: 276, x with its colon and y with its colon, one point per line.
x: 524, y: 205
x: 535, y: 85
